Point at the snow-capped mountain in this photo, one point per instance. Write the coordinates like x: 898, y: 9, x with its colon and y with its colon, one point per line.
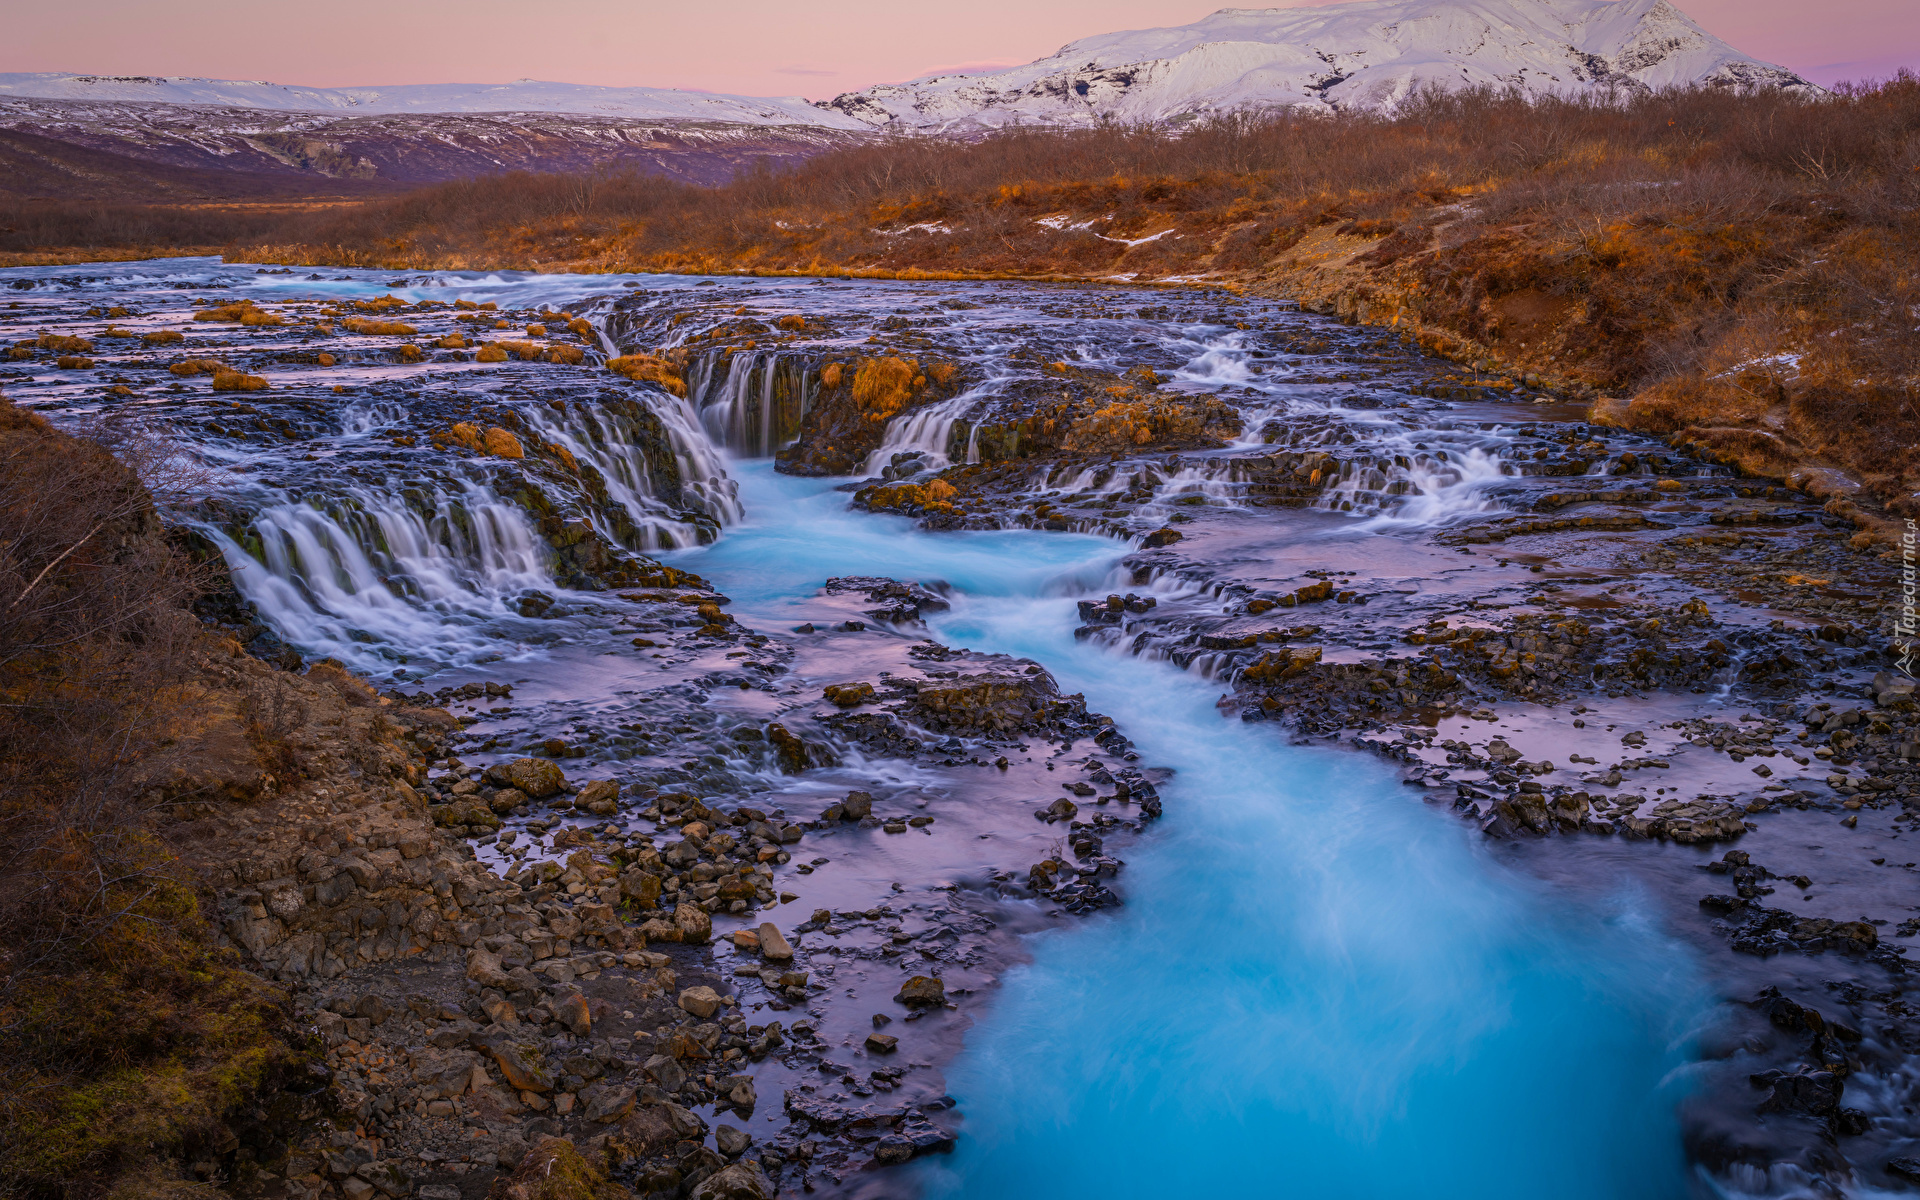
x: 654, y: 104
x: 1372, y: 54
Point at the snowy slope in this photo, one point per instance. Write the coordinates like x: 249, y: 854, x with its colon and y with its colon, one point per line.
x: 1364, y: 55
x: 658, y: 104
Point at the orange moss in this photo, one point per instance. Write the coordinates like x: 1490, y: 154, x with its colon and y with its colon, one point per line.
x: 882, y: 386
x: 366, y: 325
x: 234, y: 381
x: 649, y: 368
x: 197, y: 366
x: 163, y: 337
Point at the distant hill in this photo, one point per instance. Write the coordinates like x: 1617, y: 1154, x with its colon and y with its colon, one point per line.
x: 169, y: 153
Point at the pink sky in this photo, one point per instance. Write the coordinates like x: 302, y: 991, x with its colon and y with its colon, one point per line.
x: 750, y: 47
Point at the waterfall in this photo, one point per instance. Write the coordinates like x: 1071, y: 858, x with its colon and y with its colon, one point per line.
x: 408, y: 570
x: 605, y: 439
x: 929, y: 431
x: 751, y: 401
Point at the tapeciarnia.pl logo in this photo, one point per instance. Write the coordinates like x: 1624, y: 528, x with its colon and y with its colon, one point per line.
x: 1906, y: 626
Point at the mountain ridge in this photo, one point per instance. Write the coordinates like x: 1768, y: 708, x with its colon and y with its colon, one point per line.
x: 1372, y: 54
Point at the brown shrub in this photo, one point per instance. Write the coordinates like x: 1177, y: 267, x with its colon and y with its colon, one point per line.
x: 163, y: 337
x: 490, y: 353
x: 198, y: 366
x: 73, y: 362
x: 883, y: 386
x: 64, y: 343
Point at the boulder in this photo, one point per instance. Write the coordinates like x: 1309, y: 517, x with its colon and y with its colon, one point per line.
x: 701, y: 1001
x: 521, y: 1065
x: 554, y: 1169
x: 732, y: 1142
x: 607, y: 1104
x: 571, y: 1010
x: 537, y: 777
x: 882, y: 1043
x: 601, y: 798
x: 857, y: 806
x: 651, y: 1128
x: 740, y: 1181
x: 922, y: 991
x: 694, y: 923
x: 484, y: 968
x: 772, y: 945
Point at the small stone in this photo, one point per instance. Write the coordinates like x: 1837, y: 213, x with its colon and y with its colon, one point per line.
x: 882, y: 1043
x: 732, y: 1142
x: 701, y: 1001
x: 857, y: 806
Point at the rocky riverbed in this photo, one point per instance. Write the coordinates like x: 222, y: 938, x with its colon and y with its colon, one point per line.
x: 715, y: 898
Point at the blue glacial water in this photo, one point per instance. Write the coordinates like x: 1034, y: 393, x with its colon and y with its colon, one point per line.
x: 1319, y: 987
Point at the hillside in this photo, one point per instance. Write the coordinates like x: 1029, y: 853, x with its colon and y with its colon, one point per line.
x: 1376, y: 55
x: 125, y: 150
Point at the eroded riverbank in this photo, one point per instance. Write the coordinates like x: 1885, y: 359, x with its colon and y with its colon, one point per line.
x: 1309, y: 534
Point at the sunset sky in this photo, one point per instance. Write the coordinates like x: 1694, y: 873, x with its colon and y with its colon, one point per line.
x: 756, y: 47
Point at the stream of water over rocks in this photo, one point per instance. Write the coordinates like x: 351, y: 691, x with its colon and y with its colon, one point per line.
x: 1187, y: 743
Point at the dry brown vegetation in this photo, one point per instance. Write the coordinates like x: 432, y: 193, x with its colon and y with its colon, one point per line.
x: 123, y: 1032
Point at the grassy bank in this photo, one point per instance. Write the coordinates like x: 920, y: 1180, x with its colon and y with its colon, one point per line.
x: 126, y: 1034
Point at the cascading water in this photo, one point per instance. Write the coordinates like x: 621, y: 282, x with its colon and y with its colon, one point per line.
x: 751, y: 401
x: 1315, y: 980
x: 371, y: 575
x: 609, y: 441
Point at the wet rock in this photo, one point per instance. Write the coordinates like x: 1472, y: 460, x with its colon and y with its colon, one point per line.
x: 849, y: 695
x: 1161, y: 537
x: 856, y: 807
x: 537, y: 777
x: 731, y: 1142
x: 881, y: 1043
x: 601, y: 798
x: 1062, y: 809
